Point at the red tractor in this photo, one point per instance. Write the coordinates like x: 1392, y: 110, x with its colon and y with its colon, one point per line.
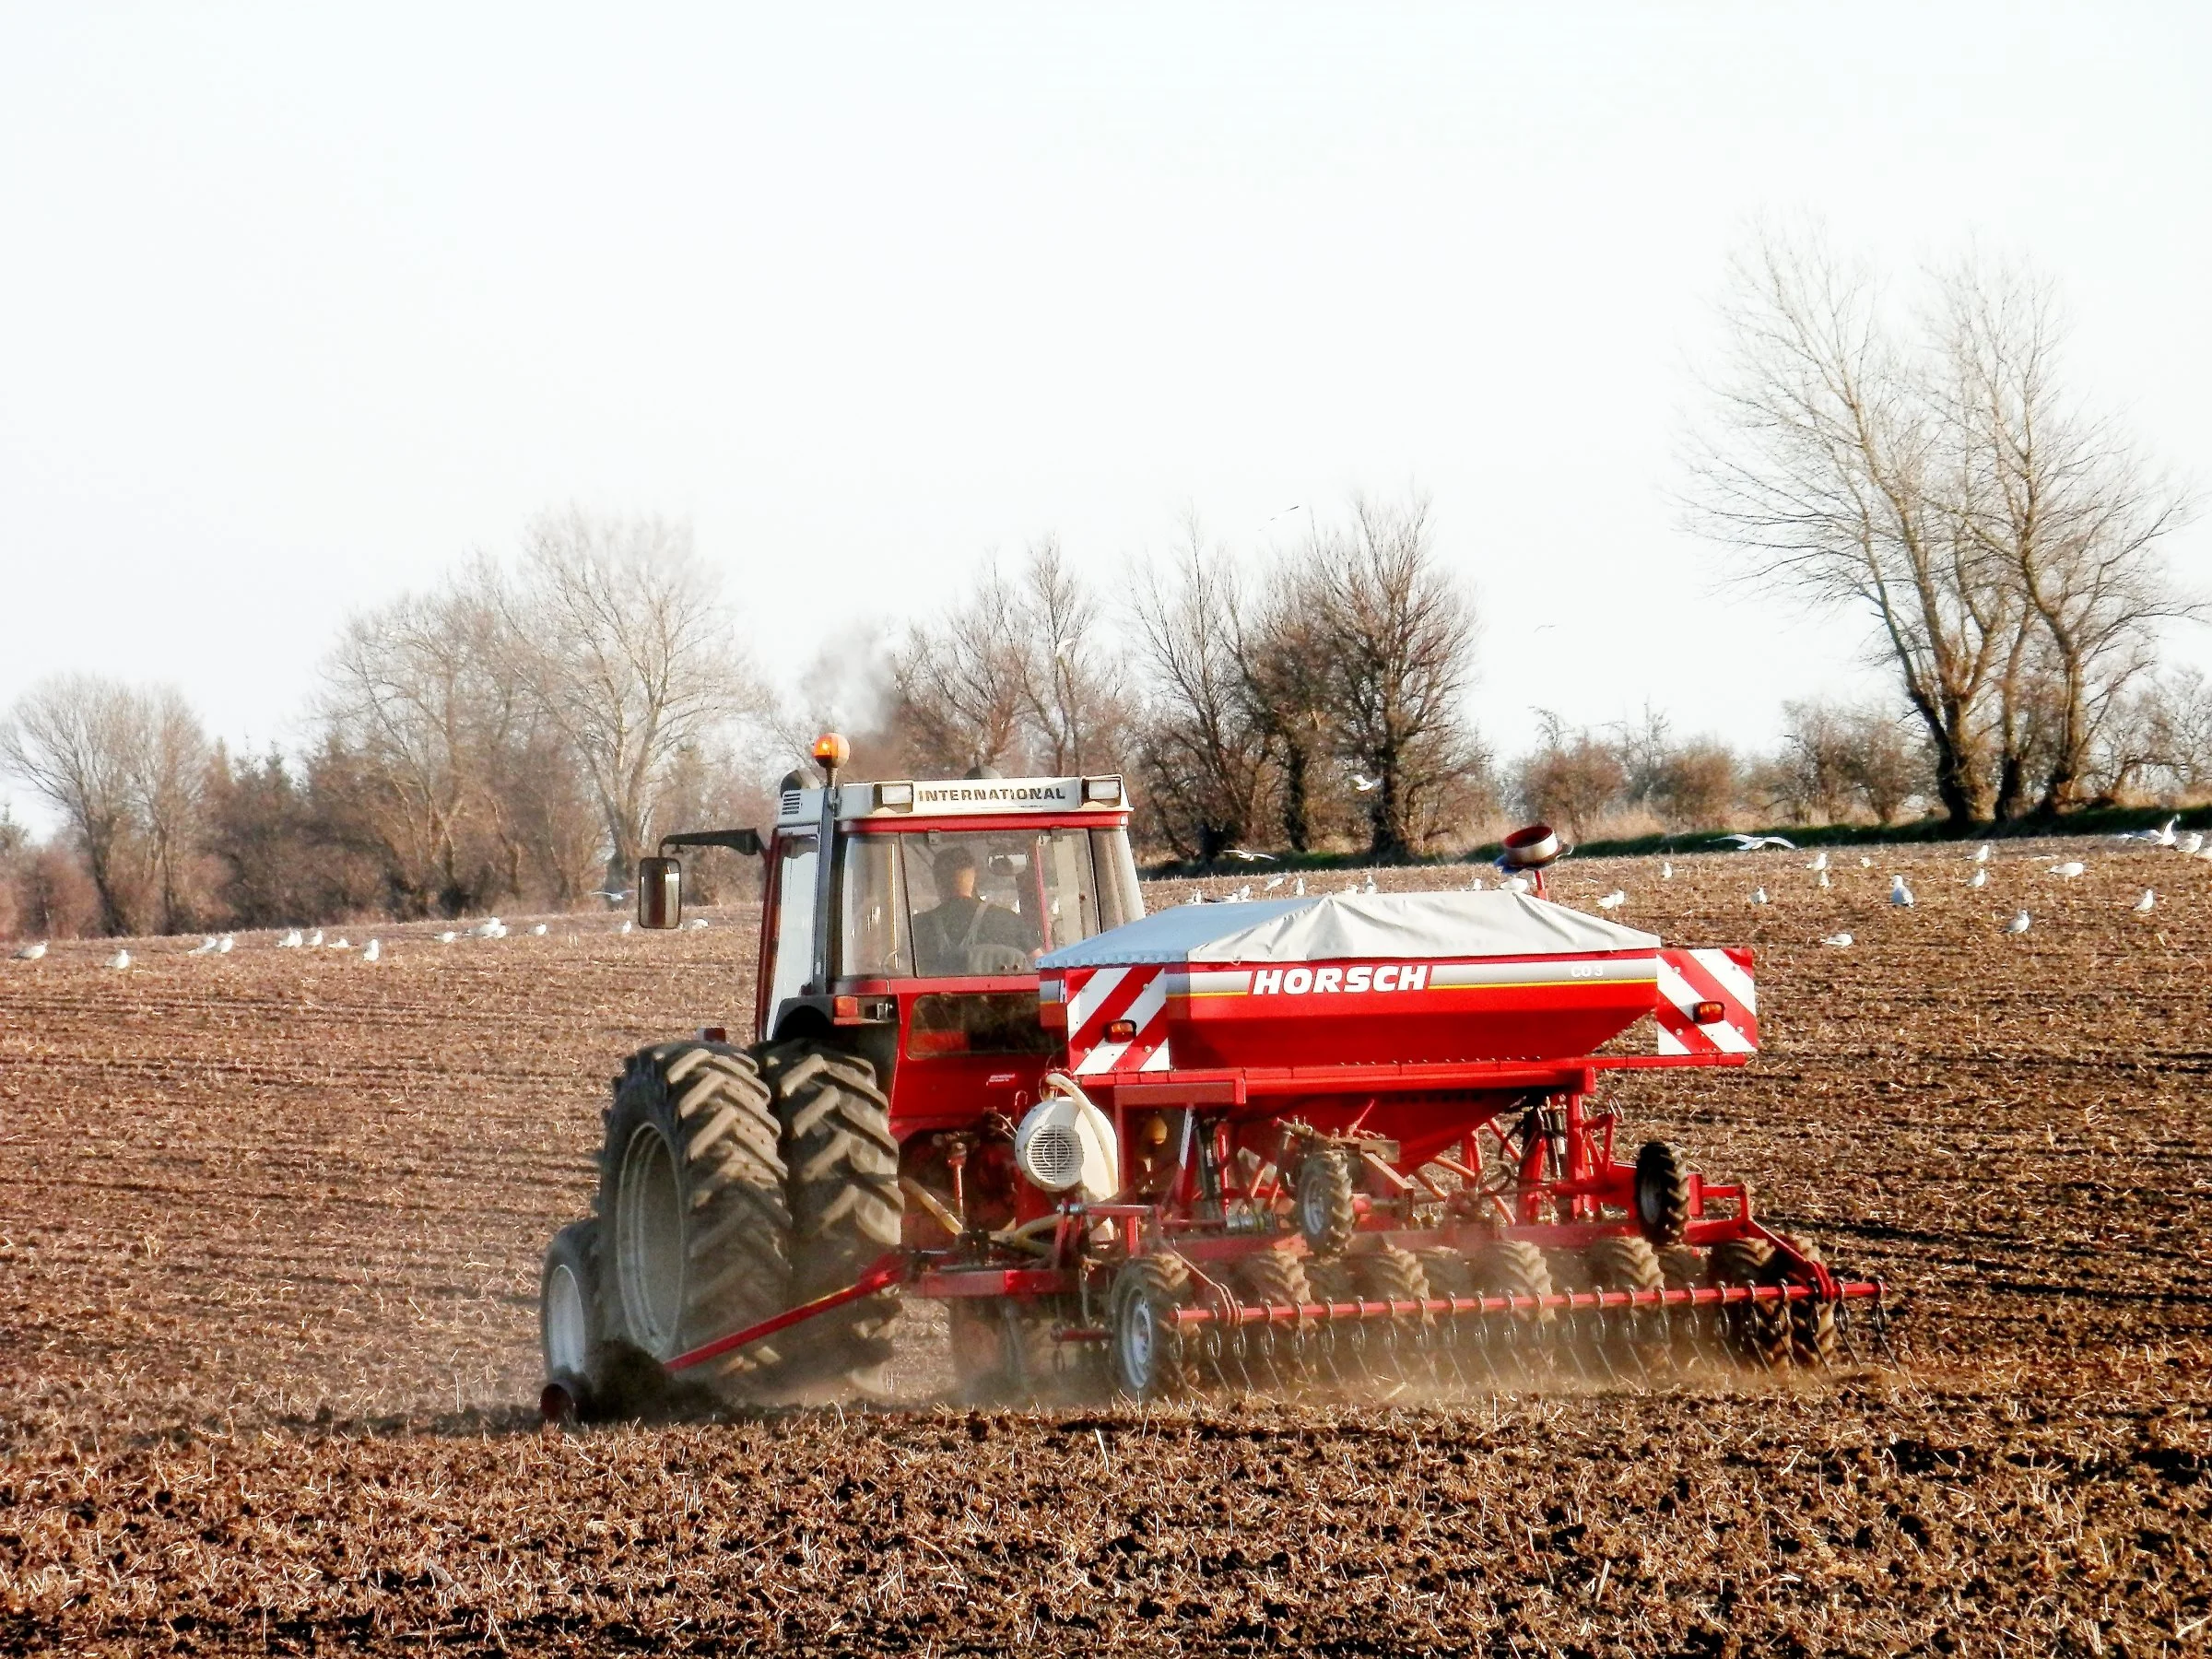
x: 1262, y: 1142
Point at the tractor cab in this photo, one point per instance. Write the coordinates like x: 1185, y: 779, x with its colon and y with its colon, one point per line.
x: 913, y: 945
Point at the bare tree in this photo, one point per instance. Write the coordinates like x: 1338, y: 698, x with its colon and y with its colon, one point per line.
x: 1572, y: 778
x: 167, y: 762
x: 1290, y: 682
x: 1204, y: 758
x: 1022, y: 675
x: 417, y: 700
x: 2062, y: 503
x: 1400, y: 640
x: 84, y: 744
x: 1824, y: 472
x: 621, y: 634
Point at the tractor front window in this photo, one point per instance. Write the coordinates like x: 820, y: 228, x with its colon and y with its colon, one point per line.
x: 954, y: 903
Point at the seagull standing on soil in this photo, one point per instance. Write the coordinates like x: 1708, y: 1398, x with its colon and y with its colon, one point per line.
x: 1900, y: 894
x: 448, y: 936
x: 1299, y: 887
x: 626, y: 926
x: 1515, y: 884
x: 1982, y: 854
x: 205, y: 947
x: 2019, y: 924
x: 1613, y: 900
x: 2191, y: 844
x: 1821, y: 879
x: 372, y: 950
x: 695, y: 924
x: 291, y: 941
x: 1981, y: 878
x: 492, y: 927
x: 223, y: 946
x: 1371, y: 881
x: 31, y: 953
x: 1759, y: 894
x: 2146, y: 904
x: 1842, y: 941
x: 341, y: 943
x: 2071, y: 868
x: 538, y: 932
x: 122, y: 958
x: 1820, y: 860
x: 316, y: 942
x: 1273, y: 882
x: 1666, y: 872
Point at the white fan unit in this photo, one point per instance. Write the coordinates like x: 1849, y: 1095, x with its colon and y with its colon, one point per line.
x: 1067, y: 1144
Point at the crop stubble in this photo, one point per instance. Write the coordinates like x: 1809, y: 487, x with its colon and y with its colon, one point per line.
x: 269, y: 1252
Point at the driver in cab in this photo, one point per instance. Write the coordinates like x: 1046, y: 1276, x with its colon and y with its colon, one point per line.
x: 964, y: 933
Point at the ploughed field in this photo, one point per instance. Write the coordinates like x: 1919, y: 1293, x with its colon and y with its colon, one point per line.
x: 269, y: 1237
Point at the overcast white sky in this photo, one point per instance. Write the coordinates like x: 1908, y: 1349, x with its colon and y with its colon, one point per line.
x: 298, y: 306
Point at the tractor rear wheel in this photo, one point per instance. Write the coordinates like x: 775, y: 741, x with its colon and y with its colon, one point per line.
x: 1148, y: 1360
x: 846, y: 1209
x: 693, y: 1228
x: 1662, y: 1193
x: 1002, y: 1350
x: 1391, y: 1275
x: 568, y: 1320
x: 1512, y: 1267
x: 1628, y: 1261
x: 1447, y: 1271
x: 1812, y: 1324
x: 1325, y: 1214
x: 1756, y: 1332
x: 1275, y: 1278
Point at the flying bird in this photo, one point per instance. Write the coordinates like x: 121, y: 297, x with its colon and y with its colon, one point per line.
x: 291, y: 941
x: 1759, y: 894
x: 1753, y: 843
x: 122, y: 958
x: 1273, y: 882
x: 1366, y: 785
x: 1900, y: 894
x: 1613, y: 900
x: 2019, y: 924
x: 372, y: 950
x: 1981, y: 878
x: 1842, y: 941
x: 2071, y: 868
x: 609, y: 894
x: 2146, y: 904
x: 1249, y: 856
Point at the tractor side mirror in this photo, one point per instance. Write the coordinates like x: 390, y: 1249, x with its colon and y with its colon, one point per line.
x: 660, y: 892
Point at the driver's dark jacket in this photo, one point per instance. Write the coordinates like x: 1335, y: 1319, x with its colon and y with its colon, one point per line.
x: 944, y: 936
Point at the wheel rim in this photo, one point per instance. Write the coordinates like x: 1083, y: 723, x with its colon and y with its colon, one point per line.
x: 1649, y: 1209
x: 651, y: 1258
x: 564, y: 1327
x: 1139, y: 1344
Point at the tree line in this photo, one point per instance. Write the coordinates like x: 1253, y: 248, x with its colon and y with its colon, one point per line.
x: 520, y: 733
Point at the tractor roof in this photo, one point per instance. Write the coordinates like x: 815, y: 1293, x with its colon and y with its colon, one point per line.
x: 959, y: 798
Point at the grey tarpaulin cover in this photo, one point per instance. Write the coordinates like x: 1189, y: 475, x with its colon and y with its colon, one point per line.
x: 1409, y: 926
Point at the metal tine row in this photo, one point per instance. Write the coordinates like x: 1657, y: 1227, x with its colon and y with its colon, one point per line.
x: 1487, y: 1351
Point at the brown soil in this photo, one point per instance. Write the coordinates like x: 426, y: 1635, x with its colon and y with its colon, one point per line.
x: 268, y: 1254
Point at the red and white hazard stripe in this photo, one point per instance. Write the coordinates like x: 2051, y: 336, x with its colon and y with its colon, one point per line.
x: 1716, y: 983
x: 1117, y: 1020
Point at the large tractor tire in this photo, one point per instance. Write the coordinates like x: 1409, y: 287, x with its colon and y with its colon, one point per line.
x: 693, y: 1228
x: 1638, y: 1337
x: 846, y: 1210
x: 1512, y: 1267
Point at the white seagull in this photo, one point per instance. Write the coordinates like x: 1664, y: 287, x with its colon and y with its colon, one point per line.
x: 1366, y: 785
x: 207, y: 947
x: 2144, y: 904
x: 1900, y: 894
x: 223, y: 946
x: 1759, y: 894
x: 1821, y: 879
x: 1842, y: 941
x: 341, y: 943
x: 1753, y: 843
x: 2019, y: 924
x: 1249, y: 856
x: 1273, y: 882
x: 2071, y: 868
x: 32, y: 952
x: 1371, y: 881
x: 695, y: 923
x: 1820, y: 860
x: 492, y: 927
x: 1666, y: 872
x: 1475, y: 883
x: 1244, y: 892
x: 1981, y: 878
x: 1982, y: 854
x: 122, y: 958
x: 372, y: 950
x: 1613, y: 900
x: 448, y: 936
x: 1515, y: 884
x: 538, y: 932
x: 291, y: 941
x: 2191, y: 844
x: 626, y: 926
x: 1299, y: 887
x: 316, y: 941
